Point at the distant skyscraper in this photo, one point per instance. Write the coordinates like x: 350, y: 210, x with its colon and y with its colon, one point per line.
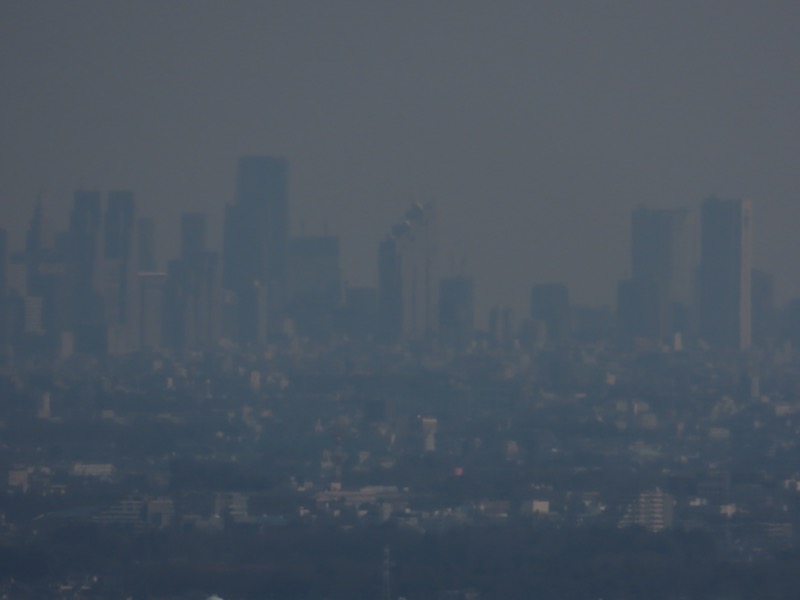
x: 659, y: 248
x: 725, y: 269
x: 192, y: 291
x: 118, y: 231
x: 256, y: 240
x: 653, y: 303
x: 119, y: 271
x: 35, y: 248
x: 408, y: 283
x: 41, y: 295
x: 85, y: 305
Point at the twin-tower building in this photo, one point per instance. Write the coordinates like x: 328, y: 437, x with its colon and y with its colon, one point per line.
x: 671, y: 292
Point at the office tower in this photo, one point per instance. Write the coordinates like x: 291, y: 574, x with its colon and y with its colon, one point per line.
x: 146, y: 245
x: 39, y: 300
x: 408, y: 283
x: 550, y: 305
x: 192, y: 301
x: 116, y: 275
x: 86, y: 310
x: 37, y: 247
x: 193, y: 234
x: 659, y: 249
x: 652, y: 304
x: 119, y: 257
x: 118, y: 230
x: 255, y: 244
x: 456, y: 311
x: 176, y: 291
x: 192, y: 291
x: 314, y: 284
x: 390, y: 291
x: 34, y: 250
x: 204, y: 300
x: 725, y: 265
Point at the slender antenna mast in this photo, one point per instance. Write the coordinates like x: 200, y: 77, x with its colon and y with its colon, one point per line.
x: 387, y: 571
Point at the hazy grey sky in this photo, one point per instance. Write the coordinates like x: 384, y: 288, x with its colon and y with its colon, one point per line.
x: 535, y: 126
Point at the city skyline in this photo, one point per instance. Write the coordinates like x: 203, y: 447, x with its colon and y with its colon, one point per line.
x: 93, y: 288
x: 537, y: 142
x: 453, y: 300
x: 687, y: 250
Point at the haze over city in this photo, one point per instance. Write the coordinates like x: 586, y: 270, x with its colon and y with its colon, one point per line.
x: 535, y: 128
x: 411, y: 301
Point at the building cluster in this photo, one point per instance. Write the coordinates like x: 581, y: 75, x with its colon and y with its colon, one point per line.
x: 668, y: 295
x: 242, y: 393
x: 97, y: 289
x: 228, y: 443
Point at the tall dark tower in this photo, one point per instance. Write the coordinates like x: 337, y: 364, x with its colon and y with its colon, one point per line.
x: 255, y: 245
x: 725, y: 264
x: 86, y: 311
x: 390, y: 290
x: 194, y: 286
x: 652, y: 303
x: 116, y: 279
x: 118, y: 233
x: 659, y: 248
